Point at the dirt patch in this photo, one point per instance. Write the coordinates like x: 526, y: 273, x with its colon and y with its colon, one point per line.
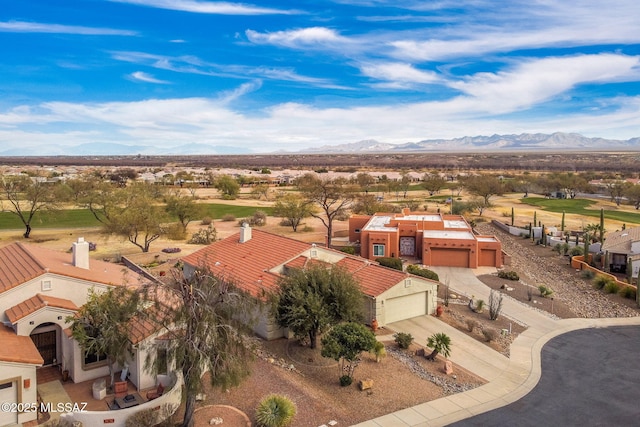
x: 315, y: 389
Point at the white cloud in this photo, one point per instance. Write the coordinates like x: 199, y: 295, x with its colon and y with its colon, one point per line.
x: 36, y: 27
x: 304, y: 37
x: 243, y: 89
x: 399, y: 73
x: 208, y: 7
x: 147, y: 78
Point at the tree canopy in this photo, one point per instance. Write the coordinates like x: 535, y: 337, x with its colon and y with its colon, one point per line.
x: 309, y: 301
x: 345, y: 343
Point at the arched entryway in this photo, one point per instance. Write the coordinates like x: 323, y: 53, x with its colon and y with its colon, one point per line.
x: 46, y: 338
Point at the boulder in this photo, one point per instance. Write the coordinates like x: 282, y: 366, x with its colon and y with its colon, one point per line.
x: 448, y: 367
x: 365, y: 384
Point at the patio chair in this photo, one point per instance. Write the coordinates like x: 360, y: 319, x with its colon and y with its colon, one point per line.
x: 154, y: 394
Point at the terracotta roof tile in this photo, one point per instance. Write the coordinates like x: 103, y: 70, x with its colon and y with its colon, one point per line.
x: 20, y: 263
x: 17, y: 348
x: 36, y: 303
x: 248, y: 263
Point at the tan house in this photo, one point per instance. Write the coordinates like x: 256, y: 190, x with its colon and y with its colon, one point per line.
x: 434, y: 239
x: 256, y: 259
x: 620, y: 249
x: 39, y: 289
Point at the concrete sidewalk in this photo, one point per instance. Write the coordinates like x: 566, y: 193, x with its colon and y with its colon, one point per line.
x: 509, y: 378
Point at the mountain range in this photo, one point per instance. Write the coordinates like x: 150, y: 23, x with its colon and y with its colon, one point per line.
x: 558, y: 141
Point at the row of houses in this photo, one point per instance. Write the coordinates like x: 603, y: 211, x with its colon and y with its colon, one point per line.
x: 40, y: 288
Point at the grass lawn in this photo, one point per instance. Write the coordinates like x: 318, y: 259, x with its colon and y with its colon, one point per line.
x: 580, y: 207
x: 82, y: 218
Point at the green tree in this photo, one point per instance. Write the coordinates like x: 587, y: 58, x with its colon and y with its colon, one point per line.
x: 333, y: 196
x: 102, y: 325
x: 100, y: 197
x: 260, y: 190
x: 364, y: 181
x: 440, y: 343
x: 293, y: 208
x: 183, y: 207
x: 345, y: 343
x: 228, y: 186
x: 205, y: 332
x: 139, y: 218
x: 484, y: 186
x: 632, y: 193
x: 433, y: 183
x: 309, y: 301
x: 24, y: 197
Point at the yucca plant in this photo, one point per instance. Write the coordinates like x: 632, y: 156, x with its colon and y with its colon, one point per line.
x: 275, y: 411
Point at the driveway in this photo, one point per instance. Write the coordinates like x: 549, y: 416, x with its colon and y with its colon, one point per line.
x: 589, y: 378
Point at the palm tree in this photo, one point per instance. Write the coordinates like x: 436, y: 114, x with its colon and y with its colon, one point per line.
x: 440, y: 343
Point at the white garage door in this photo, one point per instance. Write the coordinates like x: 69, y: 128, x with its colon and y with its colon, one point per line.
x: 9, y: 394
x: 405, y: 307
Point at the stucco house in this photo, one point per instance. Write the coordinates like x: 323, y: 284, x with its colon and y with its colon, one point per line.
x: 39, y: 289
x: 256, y: 259
x: 434, y: 239
x: 620, y: 249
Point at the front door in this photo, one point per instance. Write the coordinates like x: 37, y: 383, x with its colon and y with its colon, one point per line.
x: 46, y: 344
x: 407, y: 246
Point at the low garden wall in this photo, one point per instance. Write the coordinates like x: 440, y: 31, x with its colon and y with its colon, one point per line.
x: 165, y: 405
x: 578, y: 263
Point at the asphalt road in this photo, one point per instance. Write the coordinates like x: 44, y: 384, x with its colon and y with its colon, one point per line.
x: 590, y: 377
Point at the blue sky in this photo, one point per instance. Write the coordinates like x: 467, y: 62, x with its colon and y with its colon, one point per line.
x: 283, y: 75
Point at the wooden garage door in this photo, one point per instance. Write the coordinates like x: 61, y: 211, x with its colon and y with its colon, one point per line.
x: 450, y: 257
x: 405, y: 307
x: 488, y: 258
x: 8, y: 394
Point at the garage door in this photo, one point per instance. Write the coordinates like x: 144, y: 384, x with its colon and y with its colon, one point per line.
x: 405, y: 307
x: 9, y: 394
x: 488, y: 258
x: 450, y: 257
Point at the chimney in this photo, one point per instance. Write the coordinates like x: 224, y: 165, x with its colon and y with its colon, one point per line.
x: 81, y: 253
x: 245, y: 233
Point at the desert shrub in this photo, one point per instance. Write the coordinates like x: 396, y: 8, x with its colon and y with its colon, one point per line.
x: 379, y: 351
x: 403, y: 339
x: 258, y: 219
x: 59, y: 423
x: 204, y: 236
x: 146, y: 418
x: 545, y: 291
x: 345, y: 380
x: 508, y: 275
x: 628, y: 292
x: 558, y: 248
x: 307, y: 229
x: 395, y: 263
x: 422, y: 272
x: 285, y: 222
x: 228, y: 218
x: 576, y: 250
x: 206, y: 220
x: 612, y: 287
x: 472, y: 324
x: 275, y: 411
x: 587, y: 274
x: 489, y: 334
x: 351, y: 250
x: 599, y: 281
x: 479, y: 306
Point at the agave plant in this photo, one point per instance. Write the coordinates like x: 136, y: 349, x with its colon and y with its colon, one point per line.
x: 275, y: 411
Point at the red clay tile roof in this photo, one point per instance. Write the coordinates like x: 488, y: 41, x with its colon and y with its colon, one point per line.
x: 35, y: 303
x: 248, y: 263
x: 18, y: 349
x: 20, y: 263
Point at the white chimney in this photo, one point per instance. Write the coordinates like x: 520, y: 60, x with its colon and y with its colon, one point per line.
x: 81, y: 253
x: 245, y: 233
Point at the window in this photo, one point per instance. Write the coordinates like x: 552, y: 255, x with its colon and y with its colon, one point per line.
x: 407, y: 283
x: 162, y: 360
x: 46, y: 285
x: 93, y: 359
x: 378, y: 250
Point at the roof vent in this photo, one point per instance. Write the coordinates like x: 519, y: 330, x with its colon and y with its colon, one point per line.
x: 245, y: 233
